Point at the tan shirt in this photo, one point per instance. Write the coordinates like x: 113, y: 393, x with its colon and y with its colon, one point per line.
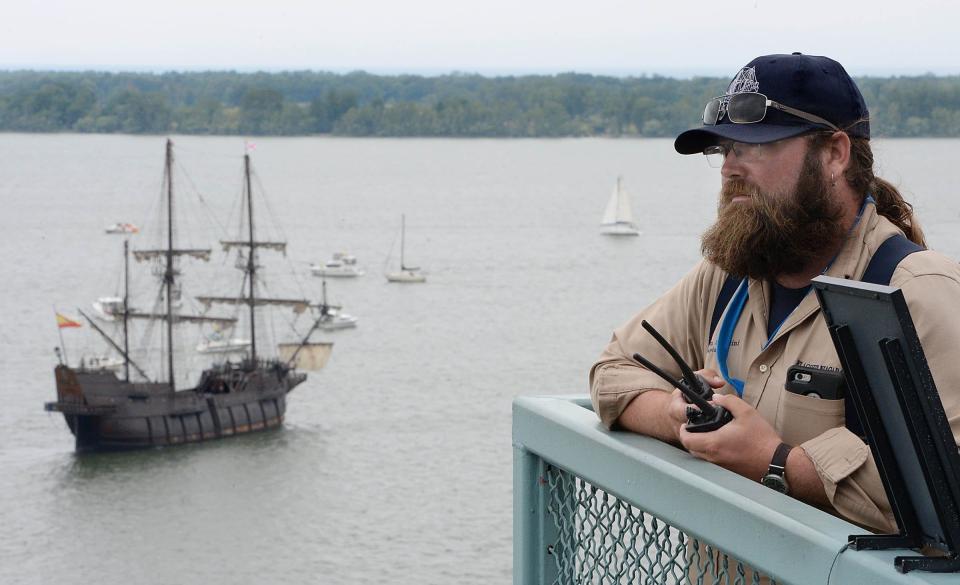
x: 931, y: 286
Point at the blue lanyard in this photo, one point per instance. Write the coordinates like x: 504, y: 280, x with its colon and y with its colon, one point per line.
x: 735, y: 308
x: 725, y: 335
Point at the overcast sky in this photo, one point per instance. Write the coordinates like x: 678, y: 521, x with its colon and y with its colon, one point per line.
x: 670, y: 37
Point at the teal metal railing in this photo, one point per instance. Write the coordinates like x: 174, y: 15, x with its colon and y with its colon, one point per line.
x: 598, y: 507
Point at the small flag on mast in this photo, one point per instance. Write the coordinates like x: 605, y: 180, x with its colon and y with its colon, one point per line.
x: 63, y: 322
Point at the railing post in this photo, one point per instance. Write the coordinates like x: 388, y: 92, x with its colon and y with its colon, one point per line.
x: 534, y: 530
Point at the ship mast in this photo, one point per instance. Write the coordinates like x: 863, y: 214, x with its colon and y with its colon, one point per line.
x: 168, y: 254
x: 126, y: 308
x: 251, y: 261
x: 249, y: 267
x: 168, y: 274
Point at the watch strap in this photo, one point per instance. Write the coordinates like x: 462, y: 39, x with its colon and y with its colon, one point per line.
x: 778, y: 465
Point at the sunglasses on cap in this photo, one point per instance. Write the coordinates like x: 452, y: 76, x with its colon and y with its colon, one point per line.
x: 750, y: 108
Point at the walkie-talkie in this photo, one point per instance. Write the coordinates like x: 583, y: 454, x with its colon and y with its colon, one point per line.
x: 694, y: 387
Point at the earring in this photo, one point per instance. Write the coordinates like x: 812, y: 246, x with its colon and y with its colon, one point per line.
x: 833, y: 180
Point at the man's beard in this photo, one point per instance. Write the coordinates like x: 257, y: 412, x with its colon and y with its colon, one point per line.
x: 774, y: 234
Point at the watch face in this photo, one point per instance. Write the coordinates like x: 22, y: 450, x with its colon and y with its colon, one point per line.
x: 775, y: 482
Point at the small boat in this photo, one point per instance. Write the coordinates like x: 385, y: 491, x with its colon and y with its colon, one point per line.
x: 111, y: 309
x: 122, y: 228
x: 337, y: 320
x: 332, y: 317
x: 216, y: 343
x: 618, y: 217
x: 406, y: 273
x: 342, y: 265
x: 102, y: 362
x: 108, y: 308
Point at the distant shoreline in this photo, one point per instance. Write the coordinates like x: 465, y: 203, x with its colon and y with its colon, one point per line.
x: 458, y: 105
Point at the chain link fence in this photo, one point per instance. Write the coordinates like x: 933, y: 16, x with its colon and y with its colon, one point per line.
x: 602, y: 540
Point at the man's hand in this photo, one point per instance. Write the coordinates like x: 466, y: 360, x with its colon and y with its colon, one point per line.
x: 745, y: 445
x: 676, y: 409
x: 659, y: 414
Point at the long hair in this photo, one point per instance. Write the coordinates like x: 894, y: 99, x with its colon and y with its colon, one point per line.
x: 890, y: 203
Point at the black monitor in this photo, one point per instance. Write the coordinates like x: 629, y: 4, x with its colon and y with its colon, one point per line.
x: 902, y: 417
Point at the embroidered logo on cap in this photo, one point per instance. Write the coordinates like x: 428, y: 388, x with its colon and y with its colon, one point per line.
x: 746, y: 80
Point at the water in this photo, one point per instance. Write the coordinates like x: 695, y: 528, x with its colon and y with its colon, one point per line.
x: 395, y: 461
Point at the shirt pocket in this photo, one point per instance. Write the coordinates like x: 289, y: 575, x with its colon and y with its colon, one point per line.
x: 801, y: 418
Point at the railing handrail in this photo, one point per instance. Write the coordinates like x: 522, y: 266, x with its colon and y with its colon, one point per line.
x: 779, y: 535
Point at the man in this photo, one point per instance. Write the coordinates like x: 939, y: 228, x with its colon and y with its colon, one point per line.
x: 798, y: 199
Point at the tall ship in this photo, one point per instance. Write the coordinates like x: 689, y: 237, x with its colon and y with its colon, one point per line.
x: 243, y: 391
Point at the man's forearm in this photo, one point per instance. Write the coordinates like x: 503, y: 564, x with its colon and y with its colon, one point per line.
x: 805, y: 483
x: 646, y: 415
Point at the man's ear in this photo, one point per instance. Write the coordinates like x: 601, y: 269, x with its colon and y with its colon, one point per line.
x: 837, y: 154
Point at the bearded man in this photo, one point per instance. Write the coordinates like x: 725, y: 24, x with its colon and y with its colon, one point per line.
x: 798, y: 199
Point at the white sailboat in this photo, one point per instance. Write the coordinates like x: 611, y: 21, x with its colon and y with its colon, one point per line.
x: 332, y: 317
x: 406, y: 273
x: 618, y: 217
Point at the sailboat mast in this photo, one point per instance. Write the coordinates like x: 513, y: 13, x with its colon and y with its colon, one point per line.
x: 168, y: 274
x: 624, y: 215
x: 251, y: 264
x: 126, y: 308
x: 403, y: 233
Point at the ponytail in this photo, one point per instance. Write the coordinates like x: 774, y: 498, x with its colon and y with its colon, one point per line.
x: 890, y: 203
x: 892, y: 206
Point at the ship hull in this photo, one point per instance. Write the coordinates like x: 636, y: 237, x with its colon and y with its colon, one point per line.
x: 106, y: 413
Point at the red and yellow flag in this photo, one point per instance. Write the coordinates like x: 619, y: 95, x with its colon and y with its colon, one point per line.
x: 63, y: 322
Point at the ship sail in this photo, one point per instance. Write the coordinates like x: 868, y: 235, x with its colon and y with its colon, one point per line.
x: 181, y: 318
x: 199, y: 254
x: 230, y: 244
x: 307, y: 356
x: 298, y: 305
x: 610, y: 213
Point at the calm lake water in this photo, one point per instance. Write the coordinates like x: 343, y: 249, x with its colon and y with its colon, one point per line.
x: 394, y: 465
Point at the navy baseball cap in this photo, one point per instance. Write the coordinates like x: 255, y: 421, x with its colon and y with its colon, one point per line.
x: 815, y: 85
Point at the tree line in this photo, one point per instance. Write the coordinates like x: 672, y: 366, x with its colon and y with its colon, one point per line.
x: 362, y: 104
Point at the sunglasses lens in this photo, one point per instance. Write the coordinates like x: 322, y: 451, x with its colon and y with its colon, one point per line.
x: 712, y: 112
x: 746, y: 108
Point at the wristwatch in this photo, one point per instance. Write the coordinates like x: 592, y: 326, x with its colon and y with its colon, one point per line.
x: 776, y: 478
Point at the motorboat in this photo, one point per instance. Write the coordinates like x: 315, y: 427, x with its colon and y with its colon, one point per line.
x: 102, y: 362
x: 122, y: 228
x: 108, y: 308
x: 342, y: 265
x: 337, y: 320
x: 332, y: 317
x: 216, y: 343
